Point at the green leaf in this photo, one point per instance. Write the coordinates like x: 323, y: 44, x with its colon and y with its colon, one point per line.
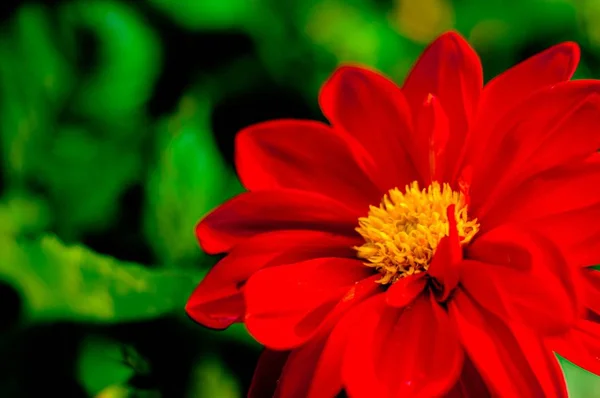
x: 210, y: 378
x: 102, y: 364
x: 580, y: 382
x: 85, y: 175
x: 24, y: 118
x: 207, y: 14
x: 189, y: 179
x: 72, y: 283
x: 34, y: 82
x: 117, y: 391
x: 129, y: 57
x: 47, y: 68
x: 83, y: 170
x: 22, y: 214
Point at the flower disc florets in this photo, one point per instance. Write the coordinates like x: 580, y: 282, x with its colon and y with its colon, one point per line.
x: 402, y: 233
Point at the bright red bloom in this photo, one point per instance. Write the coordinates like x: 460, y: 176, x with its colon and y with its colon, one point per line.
x: 469, y: 268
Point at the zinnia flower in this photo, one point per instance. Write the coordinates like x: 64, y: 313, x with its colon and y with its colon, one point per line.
x: 431, y: 241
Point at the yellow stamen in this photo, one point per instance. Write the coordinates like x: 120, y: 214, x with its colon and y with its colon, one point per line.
x: 401, y: 235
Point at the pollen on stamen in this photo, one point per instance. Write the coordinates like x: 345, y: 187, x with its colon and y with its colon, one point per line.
x: 403, y: 232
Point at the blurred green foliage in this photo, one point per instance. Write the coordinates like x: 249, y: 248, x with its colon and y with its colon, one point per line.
x: 102, y: 363
x: 188, y: 179
x: 60, y: 283
x: 116, y: 127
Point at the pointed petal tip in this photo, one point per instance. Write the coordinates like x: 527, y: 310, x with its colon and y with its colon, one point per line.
x: 453, y: 36
x: 350, y: 70
x: 567, y: 52
x: 188, y: 309
x: 192, y: 312
x: 196, y: 313
x: 205, y: 238
x: 569, y: 47
x: 562, y: 58
x: 342, y: 70
x: 351, y: 67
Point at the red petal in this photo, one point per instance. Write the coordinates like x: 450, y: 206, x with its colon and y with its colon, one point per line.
x: 554, y: 65
x: 299, y: 369
x: 252, y: 213
x: 521, y: 276
x: 314, y: 369
x: 447, y: 256
x: 542, y: 360
x: 591, y: 283
x: 512, y: 368
x: 405, y: 290
x: 575, y: 233
x: 470, y: 384
x: 359, y: 367
x: 303, y: 155
x: 372, y: 109
x: 217, y: 302
x: 286, y: 305
x: 552, y: 128
x: 508, y: 90
x: 431, y: 138
x: 327, y: 380
x: 218, y: 313
x: 553, y: 192
x: 397, y: 353
x: 581, y: 345
x: 449, y: 69
x: 267, y: 373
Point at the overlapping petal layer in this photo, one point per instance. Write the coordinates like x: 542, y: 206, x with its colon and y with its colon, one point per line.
x: 482, y: 320
x: 402, y: 352
x: 252, y: 213
x: 218, y: 302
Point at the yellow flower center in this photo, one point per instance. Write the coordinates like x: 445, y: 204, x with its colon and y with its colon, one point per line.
x: 401, y: 235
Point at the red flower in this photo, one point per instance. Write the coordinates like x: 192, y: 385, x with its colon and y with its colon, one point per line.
x: 429, y: 242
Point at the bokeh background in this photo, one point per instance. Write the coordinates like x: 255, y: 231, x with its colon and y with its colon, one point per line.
x: 117, y: 122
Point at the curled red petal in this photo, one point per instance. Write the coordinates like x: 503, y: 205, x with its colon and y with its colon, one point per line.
x: 252, y: 213
x: 284, y: 154
x: 286, y: 305
x: 217, y: 302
